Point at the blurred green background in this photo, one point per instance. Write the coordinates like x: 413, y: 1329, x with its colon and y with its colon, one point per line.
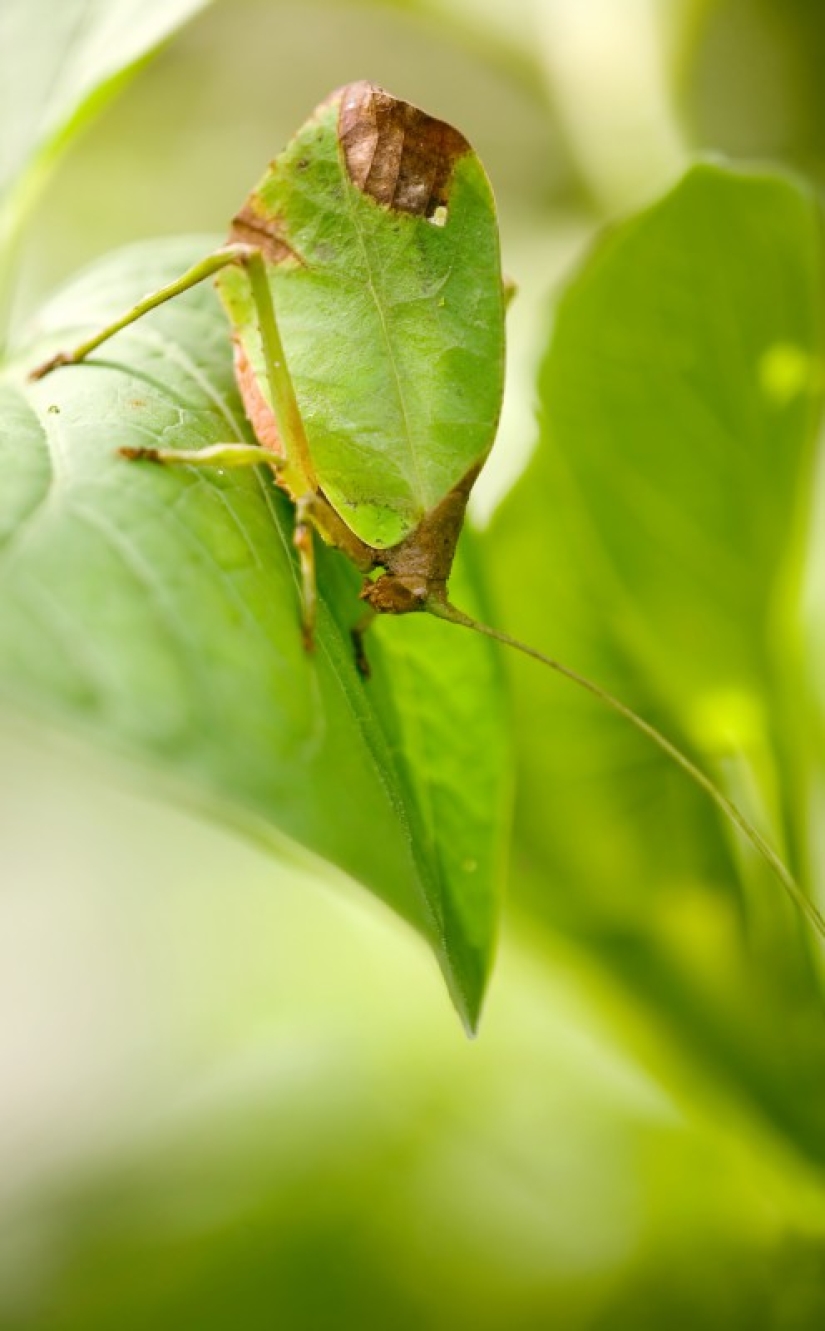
x: 232, y: 1092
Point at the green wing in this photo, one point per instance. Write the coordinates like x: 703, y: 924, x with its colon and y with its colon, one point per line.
x: 380, y: 229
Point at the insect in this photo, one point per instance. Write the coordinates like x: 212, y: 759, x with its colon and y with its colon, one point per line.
x: 362, y: 281
x: 374, y: 392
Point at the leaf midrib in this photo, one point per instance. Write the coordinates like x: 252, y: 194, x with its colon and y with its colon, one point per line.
x: 385, y: 334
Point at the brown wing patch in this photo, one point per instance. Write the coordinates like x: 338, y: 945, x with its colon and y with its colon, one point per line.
x: 417, y: 569
x: 400, y: 156
x: 252, y: 226
x: 258, y: 410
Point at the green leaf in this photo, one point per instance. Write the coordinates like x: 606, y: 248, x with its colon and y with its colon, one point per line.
x: 59, y: 65
x: 156, y: 611
x: 653, y: 544
x: 681, y: 393
x: 386, y: 276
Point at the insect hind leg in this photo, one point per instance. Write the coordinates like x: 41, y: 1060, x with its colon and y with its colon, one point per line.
x: 357, y: 633
x: 304, y: 542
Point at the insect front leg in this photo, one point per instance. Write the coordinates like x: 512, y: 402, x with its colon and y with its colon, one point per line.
x: 198, y: 273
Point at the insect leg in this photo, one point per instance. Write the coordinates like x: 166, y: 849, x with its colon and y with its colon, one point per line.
x: 303, y: 540
x: 301, y: 472
x: 214, y: 455
x: 357, y: 632
x: 198, y: 273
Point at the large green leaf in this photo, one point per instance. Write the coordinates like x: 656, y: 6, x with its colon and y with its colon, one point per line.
x: 156, y: 610
x: 679, y: 395
x: 59, y: 64
x: 386, y: 276
x: 653, y: 543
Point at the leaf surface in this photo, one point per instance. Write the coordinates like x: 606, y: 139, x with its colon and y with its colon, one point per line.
x: 156, y: 610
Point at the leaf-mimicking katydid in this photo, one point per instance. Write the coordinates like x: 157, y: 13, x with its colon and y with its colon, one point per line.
x: 362, y: 281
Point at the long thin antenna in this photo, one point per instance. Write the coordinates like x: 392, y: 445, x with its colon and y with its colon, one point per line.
x: 443, y: 610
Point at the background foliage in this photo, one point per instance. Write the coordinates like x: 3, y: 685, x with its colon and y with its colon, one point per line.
x: 233, y: 1097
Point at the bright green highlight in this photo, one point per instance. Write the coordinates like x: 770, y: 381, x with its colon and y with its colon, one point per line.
x: 786, y: 371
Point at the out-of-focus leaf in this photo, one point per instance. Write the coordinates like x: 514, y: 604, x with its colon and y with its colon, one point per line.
x: 649, y: 544
x: 681, y: 393
x: 59, y: 64
x: 156, y: 610
x: 353, y: 1175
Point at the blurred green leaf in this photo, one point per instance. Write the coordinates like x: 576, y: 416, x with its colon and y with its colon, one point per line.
x: 661, y: 515
x: 59, y: 65
x: 156, y: 610
x: 355, y: 1175
x: 654, y: 544
x: 682, y: 392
